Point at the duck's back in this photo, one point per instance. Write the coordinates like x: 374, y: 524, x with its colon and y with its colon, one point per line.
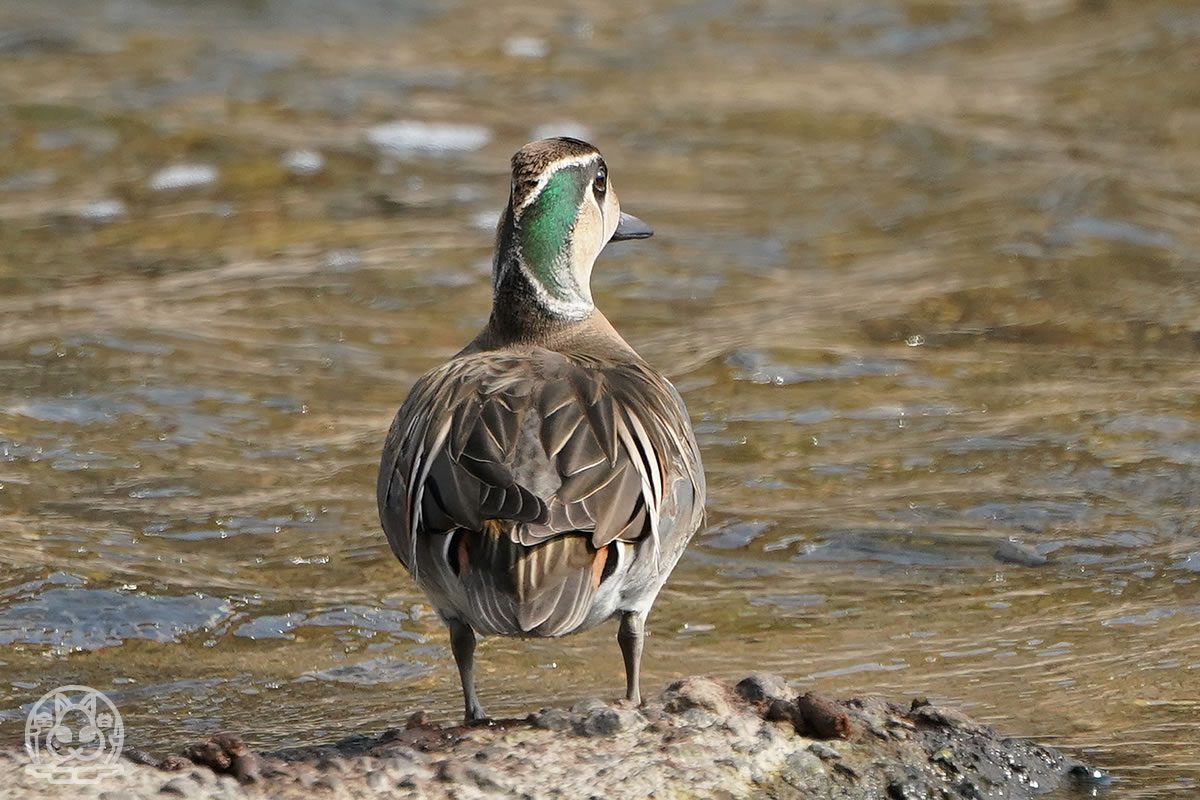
x: 535, y: 492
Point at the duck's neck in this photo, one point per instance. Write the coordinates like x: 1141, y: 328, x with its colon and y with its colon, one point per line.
x: 535, y: 291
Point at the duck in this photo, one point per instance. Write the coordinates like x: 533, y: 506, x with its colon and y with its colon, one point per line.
x: 545, y: 479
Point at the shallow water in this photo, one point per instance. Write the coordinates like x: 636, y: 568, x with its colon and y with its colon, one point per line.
x: 927, y: 275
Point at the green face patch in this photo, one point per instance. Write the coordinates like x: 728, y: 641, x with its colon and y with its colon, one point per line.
x: 545, y: 230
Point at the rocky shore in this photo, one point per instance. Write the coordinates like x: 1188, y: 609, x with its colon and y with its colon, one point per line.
x: 700, y: 738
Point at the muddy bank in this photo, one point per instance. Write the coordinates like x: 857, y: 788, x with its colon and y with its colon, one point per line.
x: 699, y: 738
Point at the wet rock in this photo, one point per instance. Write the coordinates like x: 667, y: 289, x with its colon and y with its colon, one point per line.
x: 587, y: 704
x: 700, y: 738
x: 702, y: 693
x: 175, y: 763
x: 811, y: 715
x: 822, y: 718
x: 922, y: 712
x: 1011, y: 551
x: 608, y: 721
x: 763, y: 687
x: 1089, y: 779
x: 226, y: 753
x: 552, y: 719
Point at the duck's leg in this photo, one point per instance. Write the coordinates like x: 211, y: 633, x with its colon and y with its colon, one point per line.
x: 462, y: 644
x: 630, y: 635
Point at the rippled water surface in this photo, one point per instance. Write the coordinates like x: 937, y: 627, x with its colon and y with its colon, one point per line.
x: 926, y: 273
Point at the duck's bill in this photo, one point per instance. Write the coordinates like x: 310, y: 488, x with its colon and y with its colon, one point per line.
x: 630, y: 227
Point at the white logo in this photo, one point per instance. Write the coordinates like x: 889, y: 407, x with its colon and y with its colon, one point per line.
x: 73, y: 735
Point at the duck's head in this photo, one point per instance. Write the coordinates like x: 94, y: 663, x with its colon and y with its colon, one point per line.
x: 561, y: 212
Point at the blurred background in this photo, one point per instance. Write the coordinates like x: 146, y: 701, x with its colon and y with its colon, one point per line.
x: 927, y: 274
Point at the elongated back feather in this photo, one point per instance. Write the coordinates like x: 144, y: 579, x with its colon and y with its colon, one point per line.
x: 558, y: 454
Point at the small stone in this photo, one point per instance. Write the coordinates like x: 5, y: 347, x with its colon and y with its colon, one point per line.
x: 175, y: 763
x: 1089, y: 776
x: 764, y: 687
x: 779, y: 711
x: 552, y: 719
x: 118, y: 795
x: 608, y: 721
x: 138, y: 756
x: 941, y: 717
x: 587, y: 704
x: 697, y: 693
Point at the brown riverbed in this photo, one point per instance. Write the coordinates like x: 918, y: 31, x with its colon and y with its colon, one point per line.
x: 926, y: 273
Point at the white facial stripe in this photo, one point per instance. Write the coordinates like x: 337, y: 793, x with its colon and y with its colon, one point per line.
x: 562, y: 308
x: 553, y: 167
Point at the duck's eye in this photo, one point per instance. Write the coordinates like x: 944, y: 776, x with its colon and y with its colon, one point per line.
x: 600, y: 185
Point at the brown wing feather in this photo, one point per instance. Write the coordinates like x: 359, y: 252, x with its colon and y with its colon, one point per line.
x: 552, y: 446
